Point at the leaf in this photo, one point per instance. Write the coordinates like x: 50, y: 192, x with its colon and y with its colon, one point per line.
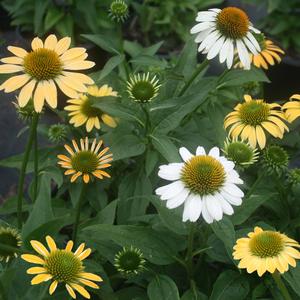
x: 152, y: 159
x: 112, y: 63
x: 248, y: 207
x: 165, y: 147
x: 224, y: 230
x: 162, y: 287
x: 39, y: 12
x: 171, y: 218
x: 230, y: 285
x: 157, y: 247
x: 293, y: 278
x: 111, y: 44
x: 193, y: 295
x: 147, y: 60
x: 53, y: 16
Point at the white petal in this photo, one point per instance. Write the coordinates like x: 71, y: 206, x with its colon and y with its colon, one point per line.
x: 171, y: 171
x: 206, y: 216
x: 192, y: 208
x: 216, y: 48
x: 170, y: 190
x: 230, y: 198
x: 217, y: 10
x: 233, y: 190
x: 206, y: 13
x: 206, y: 17
x: 224, y: 51
x: 243, y: 54
x: 230, y: 54
x: 254, y: 29
x: 200, y: 151
x: 253, y: 41
x: 214, y: 152
x: 214, y: 207
x: 178, y: 200
x: 202, y: 35
x: 226, y: 207
x: 209, y: 40
x: 185, y: 154
x: 201, y: 26
x: 250, y: 46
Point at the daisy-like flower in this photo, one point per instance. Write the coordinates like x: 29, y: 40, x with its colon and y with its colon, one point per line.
x: 292, y: 108
x: 252, y: 118
x: 265, y: 251
x: 9, y: 237
x: 240, y: 152
x: 205, y: 183
x: 47, y: 65
x: 86, y: 162
x: 224, y: 32
x: 143, y: 88
x: 61, y: 266
x: 82, y: 110
x: 269, y: 54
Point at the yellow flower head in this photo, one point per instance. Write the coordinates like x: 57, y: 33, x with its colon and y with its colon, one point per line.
x: 82, y: 110
x: 61, y: 266
x: 251, y: 119
x: 266, y: 251
x: 84, y: 161
x: 47, y: 65
x: 292, y: 108
x: 9, y: 237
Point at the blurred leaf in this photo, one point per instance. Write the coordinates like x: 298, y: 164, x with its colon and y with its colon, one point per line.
x: 111, y: 64
x: 53, y: 16
x: 293, y: 278
x: 230, y: 285
x: 193, y: 295
x: 162, y: 287
x: 39, y: 12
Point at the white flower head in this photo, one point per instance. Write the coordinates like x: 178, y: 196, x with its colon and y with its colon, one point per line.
x: 205, y: 183
x: 224, y: 32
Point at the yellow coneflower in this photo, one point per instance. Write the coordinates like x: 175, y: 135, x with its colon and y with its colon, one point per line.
x: 292, y: 108
x: 9, y: 237
x: 252, y: 118
x: 61, y: 266
x: 47, y: 64
x: 86, y: 162
x: 266, y: 251
x: 83, y: 112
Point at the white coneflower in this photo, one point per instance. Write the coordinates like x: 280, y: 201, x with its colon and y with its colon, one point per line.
x: 226, y: 31
x: 205, y: 183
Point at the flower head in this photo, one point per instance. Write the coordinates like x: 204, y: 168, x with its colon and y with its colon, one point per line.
x: 9, y: 237
x: 226, y: 31
x: 129, y: 261
x: 294, y: 176
x: 252, y: 118
x: 143, y: 88
x: 292, y: 108
x: 82, y: 111
x: 205, y: 183
x: 275, y: 159
x: 25, y: 113
x: 86, y: 162
x: 240, y: 152
x: 61, y: 266
x: 118, y: 10
x: 269, y: 54
x: 266, y: 251
x: 57, y: 133
x: 47, y: 65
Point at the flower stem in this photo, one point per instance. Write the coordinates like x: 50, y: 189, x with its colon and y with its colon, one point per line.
x: 189, y: 255
x: 78, y: 210
x: 200, y: 68
x: 36, y: 166
x: 32, y: 134
x: 146, y: 112
x: 281, y: 286
x: 255, y: 184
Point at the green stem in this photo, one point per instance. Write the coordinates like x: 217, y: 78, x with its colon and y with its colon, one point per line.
x: 200, y: 68
x: 255, y: 184
x: 36, y: 166
x: 189, y: 255
x: 281, y: 286
x: 147, y: 115
x: 32, y: 133
x: 78, y: 210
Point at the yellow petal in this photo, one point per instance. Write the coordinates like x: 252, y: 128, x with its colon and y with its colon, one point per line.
x: 71, y: 291
x: 36, y: 270
x: 91, y: 276
x: 86, y: 178
x: 33, y: 259
x: 81, y: 290
x: 65, y: 89
x: 40, y: 278
x: 51, y: 243
x: 39, y: 97
x: 89, y: 283
x: 93, y: 90
x: 261, y: 137
x: 247, y: 98
x: 14, y: 83
x: 73, y: 84
x: 296, y: 96
x: 90, y: 124
x: 85, y: 254
x: 80, y: 65
x: 79, y: 249
x: 53, y: 287
x: 51, y: 94
x: 26, y: 93
x: 72, y: 53
x: 108, y: 120
x: 75, y: 176
x: 62, y: 45
x: 37, y: 43
x: 79, y: 77
x: 69, y: 246
x: 7, y: 69
x: 14, y: 60
x: 39, y: 248
x: 64, y: 157
x: 51, y: 42
x: 17, y: 51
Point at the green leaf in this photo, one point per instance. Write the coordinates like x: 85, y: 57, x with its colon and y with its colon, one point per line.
x: 194, y: 295
x: 293, y: 278
x: 157, y: 247
x: 248, y: 207
x: 224, y: 230
x: 39, y: 12
x: 230, y: 285
x: 146, y: 60
x: 109, y: 43
x: 162, y: 287
x: 53, y: 16
x: 171, y: 218
x: 65, y: 27
x: 165, y: 147
x: 111, y: 64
